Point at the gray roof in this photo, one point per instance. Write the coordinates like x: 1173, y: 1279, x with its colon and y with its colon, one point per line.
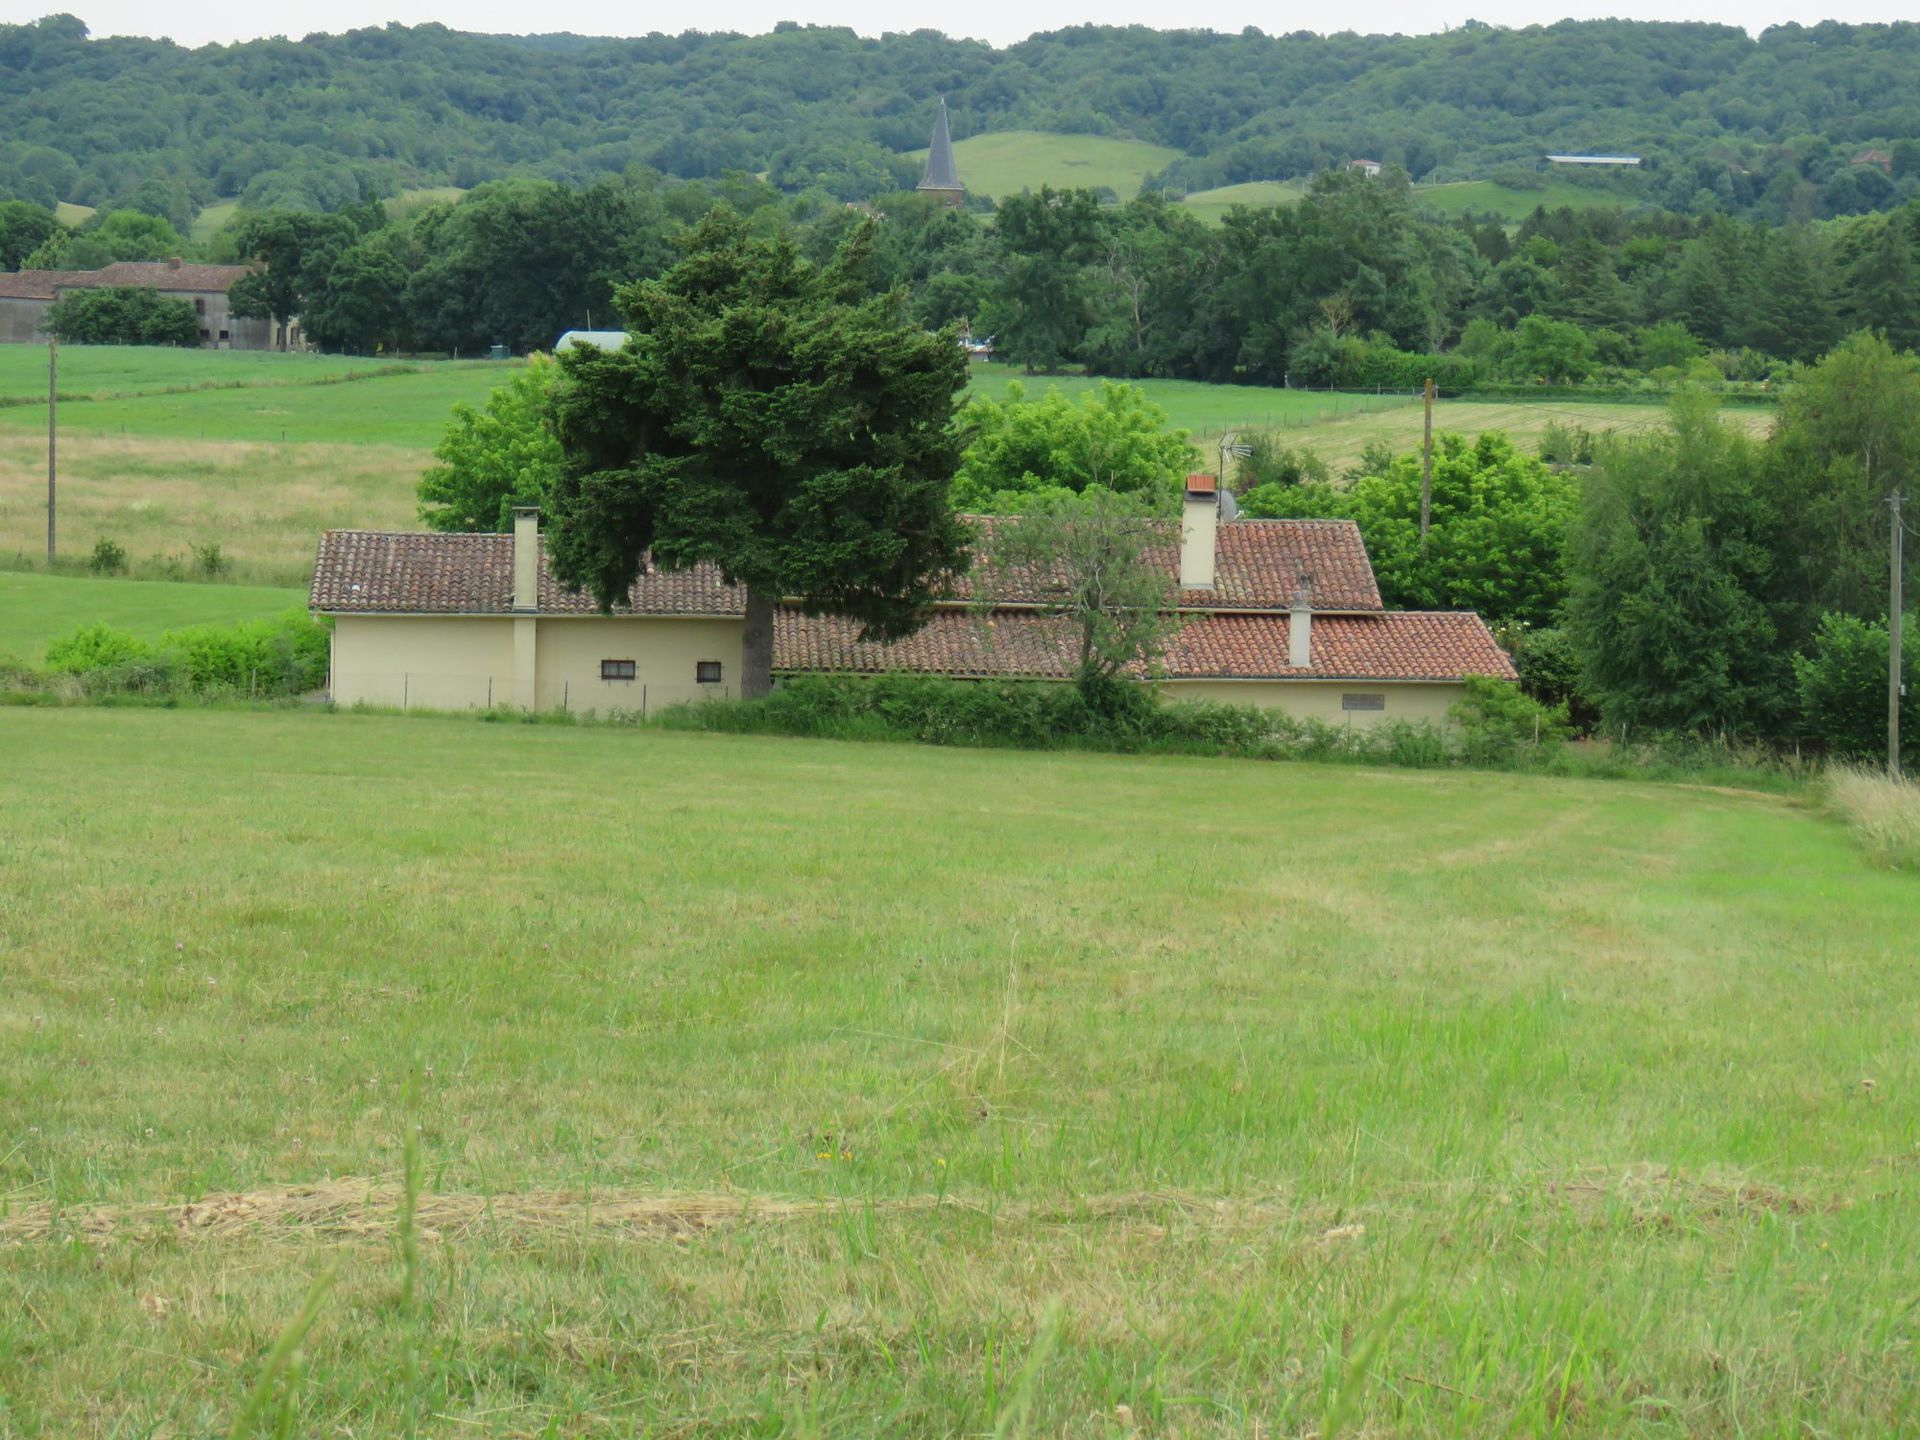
x: 941, y: 174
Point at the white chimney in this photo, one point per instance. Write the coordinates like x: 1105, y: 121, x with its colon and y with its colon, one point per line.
x: 1300, y: 626
x: 1199, y: 532
x: 526, y: 557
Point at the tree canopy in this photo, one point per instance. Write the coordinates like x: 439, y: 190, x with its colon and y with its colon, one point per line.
x: 779, y: 419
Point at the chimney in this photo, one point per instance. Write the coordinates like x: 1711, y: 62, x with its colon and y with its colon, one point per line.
x: 526, y: 557
x: 1199, y: 532
x: 1300, y: 626
x: 173, y: 262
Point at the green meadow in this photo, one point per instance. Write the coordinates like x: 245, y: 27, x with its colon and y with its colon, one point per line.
x: 800, y: 1088
x: 36, y: 609
x: 1489, y: 197
x: 1009, y: 161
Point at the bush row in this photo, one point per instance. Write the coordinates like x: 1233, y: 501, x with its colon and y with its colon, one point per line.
x: 1495, y: 725
x: 282, y: 657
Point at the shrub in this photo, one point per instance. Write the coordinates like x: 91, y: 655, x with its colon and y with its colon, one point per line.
x: 1500, y: 724
x: 108, y: 558
x: 208, y: 561
x: 1549, y: 667
x: 94, y: 647
x: 1842, y: 687
x: 287, y: 656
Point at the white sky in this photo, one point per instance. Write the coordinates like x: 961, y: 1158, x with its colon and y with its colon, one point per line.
x: 998, y: 21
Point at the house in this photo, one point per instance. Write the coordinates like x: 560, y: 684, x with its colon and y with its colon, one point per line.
x: 27, y: 295
x: 1283, y: 613
x: 591, y: 340
x: 1365, y: 167
x: 942, y: 177
x: 1616, y: 160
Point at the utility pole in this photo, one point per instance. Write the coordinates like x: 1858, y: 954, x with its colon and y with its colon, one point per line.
x: 1895, y: 608
x: 53, y: 440
x: 1426, y: 471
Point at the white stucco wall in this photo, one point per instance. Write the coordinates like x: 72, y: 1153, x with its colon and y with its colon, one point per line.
x: 1320, y: 699
x: 459, y: 662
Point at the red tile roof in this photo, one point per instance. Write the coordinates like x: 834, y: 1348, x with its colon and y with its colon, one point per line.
x: 375, y: 572
x: 1393, y: 645
x: 1258, y: 565
x: 136, y: 274
x: 370, y: 572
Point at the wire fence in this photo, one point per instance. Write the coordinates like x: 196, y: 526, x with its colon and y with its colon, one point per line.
x: 439, y: 690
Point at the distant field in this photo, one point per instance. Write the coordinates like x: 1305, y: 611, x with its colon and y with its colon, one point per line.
x: 1339, y: 440
x: 1483, y: 196
x: 408, y: 201
x: 1007, y: 162
x: 117, y: 370
x: 394, y: 409
x: 1212, y: 205
x: 210, y: 219
x: 35, y: 609
x: 774, y: 1087
x: 1206, y: 410
x: 70, y: 214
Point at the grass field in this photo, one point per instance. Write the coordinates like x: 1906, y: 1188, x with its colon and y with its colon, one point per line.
x: 1212, y: 205
x: 1482, y: 197
x: 1007, y: 162
x: 211, y: 218
x: 1206, y: 410
x: 776, y: 1087
x: 70, y: 214
x: 35, y: 609
x: 92, y: 372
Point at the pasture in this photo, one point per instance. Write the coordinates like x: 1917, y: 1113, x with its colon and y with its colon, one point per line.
x: 1009, y: 161
x: 1490, y: 197
x: 779, y: 1087
x: 35, y: 609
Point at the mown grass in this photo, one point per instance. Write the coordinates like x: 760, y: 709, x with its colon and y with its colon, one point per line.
x: 1007, y: 162
x: 1213, y: 205
x: 36, y: 609
x: 788, y: 1087
x: 1483, y: 197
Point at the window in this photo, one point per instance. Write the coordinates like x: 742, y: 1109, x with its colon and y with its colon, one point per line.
x: 199, y: 307
x: 706, y: 672
x: 616, y: 670
x: 1363, y: 702
x: 226, y: 335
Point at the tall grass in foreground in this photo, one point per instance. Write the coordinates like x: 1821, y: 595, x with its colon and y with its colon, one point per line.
x: 1882, y: 810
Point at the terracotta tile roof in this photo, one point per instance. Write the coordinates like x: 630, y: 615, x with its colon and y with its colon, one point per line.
x: 36, y: 284
x: 427, y: 573
x: 163, y: 275
x: 1393, y: 645
x: 1258, y: 565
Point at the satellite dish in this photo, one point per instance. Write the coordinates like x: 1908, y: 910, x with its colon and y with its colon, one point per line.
x: 1229, y: 507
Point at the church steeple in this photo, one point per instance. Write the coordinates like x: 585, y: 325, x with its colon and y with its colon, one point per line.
x: 942, y: 177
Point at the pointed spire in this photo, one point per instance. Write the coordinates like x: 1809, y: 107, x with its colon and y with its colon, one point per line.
x: 942, y: 176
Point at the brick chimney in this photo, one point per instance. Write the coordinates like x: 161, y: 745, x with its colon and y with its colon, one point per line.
x: 526, y: 558
x: 1199, y: 532
x: 173, y: 262
x: 1300, y: 626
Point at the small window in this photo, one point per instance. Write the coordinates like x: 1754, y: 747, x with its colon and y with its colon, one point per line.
x: 706, y: 672
x: 200, y: 307
x: 616, y: 669
x: 226, y: 335
x: 1363, y: 702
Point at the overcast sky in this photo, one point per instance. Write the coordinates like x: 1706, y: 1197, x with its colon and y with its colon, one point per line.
x: 998, y: 21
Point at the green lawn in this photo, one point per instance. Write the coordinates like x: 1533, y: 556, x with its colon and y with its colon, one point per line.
x: 778, y: 1087
x: 69, y: 214
x: 211, y: 218
x: 1007, y: 162
x: 37, y: 608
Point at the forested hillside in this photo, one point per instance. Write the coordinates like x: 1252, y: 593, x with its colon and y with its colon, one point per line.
x: 1770, y: 127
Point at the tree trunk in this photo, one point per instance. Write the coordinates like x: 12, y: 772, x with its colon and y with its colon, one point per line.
x: 756, y: 650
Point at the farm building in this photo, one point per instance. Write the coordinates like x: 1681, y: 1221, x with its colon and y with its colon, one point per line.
x: 27, y: 295
x: 1274, y: 612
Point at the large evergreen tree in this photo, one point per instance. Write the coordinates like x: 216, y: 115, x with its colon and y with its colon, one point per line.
x: 776, y: 418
